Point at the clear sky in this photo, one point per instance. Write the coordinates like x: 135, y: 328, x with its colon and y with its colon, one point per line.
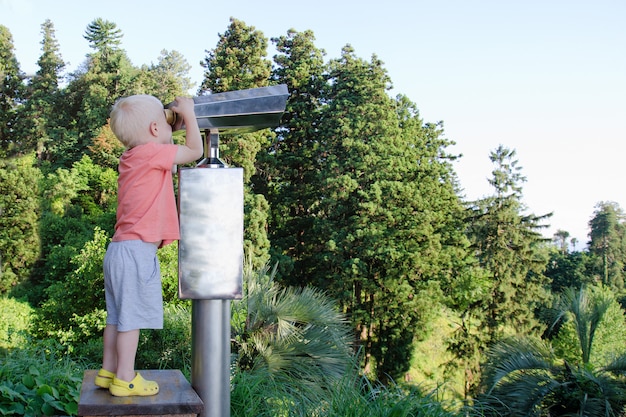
x: 546, y: 78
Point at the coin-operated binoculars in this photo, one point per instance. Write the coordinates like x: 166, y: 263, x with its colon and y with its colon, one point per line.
x: 210, y: 255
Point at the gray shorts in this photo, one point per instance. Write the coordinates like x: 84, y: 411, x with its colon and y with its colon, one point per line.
x: 132, y: 286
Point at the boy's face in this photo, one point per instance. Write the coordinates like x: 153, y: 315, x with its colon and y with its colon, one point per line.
x: 164, y: 129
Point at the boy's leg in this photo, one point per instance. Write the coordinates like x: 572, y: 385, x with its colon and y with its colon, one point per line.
x: 109, y: 356
x: 126, y: 350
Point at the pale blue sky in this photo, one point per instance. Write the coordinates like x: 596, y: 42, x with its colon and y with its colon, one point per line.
x: 546, y: 78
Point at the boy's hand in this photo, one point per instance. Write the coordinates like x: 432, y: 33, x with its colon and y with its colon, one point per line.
x: 192, y: 150
x: 184, y: 106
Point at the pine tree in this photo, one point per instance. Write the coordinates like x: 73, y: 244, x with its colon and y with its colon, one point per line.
x: 106, y: 75
x: 11, y: 95
x: 383, y: 238
x: 289, y: 167
x: 41, y: 127
x: 509, y: 246
x: 238, y: 62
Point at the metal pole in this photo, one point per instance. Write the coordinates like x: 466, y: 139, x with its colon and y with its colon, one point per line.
x: 210, y: 363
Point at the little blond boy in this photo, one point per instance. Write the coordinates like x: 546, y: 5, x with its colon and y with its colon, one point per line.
x: 147, y: 219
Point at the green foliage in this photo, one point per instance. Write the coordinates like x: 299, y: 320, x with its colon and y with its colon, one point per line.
x: 37, y: 383
x: 167, y: 79
x: 74, y: 203
x: 15, y: 324
x: 523, y: 377
x: 19, y: 212
x: 291, y: 334
x: 168, y: 261
x: 569, y: 269
x: 256, y: 244
x: 608, y: 244
x: 359, y: 200
x: 526, y: 376
x: 258, y: 394
x: 511, y: 249
x: 287, y: 171
x: 170, y: 347
x: 238, y: 62
x: 381, y: 231
x: 11, y: 95
x: 594, y: 326
x: 74, y: 309
x: 39, y: 126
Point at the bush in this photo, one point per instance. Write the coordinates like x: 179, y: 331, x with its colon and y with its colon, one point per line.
x: 16, y: 316
x: 169, y: 348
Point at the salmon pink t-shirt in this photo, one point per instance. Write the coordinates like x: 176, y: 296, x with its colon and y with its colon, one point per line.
x: 146, y: 206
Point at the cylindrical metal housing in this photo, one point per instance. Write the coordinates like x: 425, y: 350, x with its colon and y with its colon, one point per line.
x: 211, y: 233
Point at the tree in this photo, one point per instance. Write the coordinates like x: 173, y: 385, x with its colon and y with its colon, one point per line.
x: 509, y: 246
x: 103, y: 36
x: 168, y: 78
x: 106, y: 75
x: 74, y: 203
x: 238, y: 62
x: 106, y: 148
x: 19, y: 214
x: 288, y: 169
x: 11, y: 95
x: 568, y: 270
x: 40, y: 124
x: 74, y: 309
x: 382, y: 237
x: 608, y: 244
x: 591, y: 326
x: 560, y: 238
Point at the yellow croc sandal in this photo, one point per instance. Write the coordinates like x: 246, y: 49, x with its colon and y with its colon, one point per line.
x: 104, y: 378
x: 138, y: 386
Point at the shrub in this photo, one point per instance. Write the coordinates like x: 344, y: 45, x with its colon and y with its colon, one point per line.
x: 169, y: 348
x: 16, y: 316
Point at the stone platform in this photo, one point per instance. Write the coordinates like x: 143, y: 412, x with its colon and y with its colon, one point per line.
x: 176, y: 398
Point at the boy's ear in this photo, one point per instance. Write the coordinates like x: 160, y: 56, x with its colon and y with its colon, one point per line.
x: 154, y: 131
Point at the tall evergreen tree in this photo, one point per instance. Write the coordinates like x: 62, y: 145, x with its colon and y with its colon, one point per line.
x: 382, y: 238
x: 289, y: 169
x: 103, y: 36
x: 608, y: 244
x: 106, y: 75
x: 11, y: 95
x: 41, y: 127
x: 238, y: 62
x: 509, y: 246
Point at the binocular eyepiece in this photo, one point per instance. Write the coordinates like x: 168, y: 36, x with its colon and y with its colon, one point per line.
x: 170, y: 116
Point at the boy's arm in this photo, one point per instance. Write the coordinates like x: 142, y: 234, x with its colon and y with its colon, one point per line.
x: 192, y: 150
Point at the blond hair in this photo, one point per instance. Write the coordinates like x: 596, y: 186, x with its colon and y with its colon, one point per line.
x: 131, y: 117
